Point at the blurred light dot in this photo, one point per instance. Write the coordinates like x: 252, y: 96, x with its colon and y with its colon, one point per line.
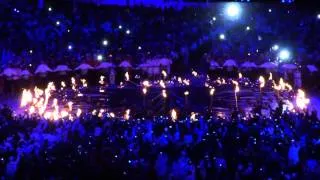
x: 284, y: 54
x: 68, y: 30
x: 105, y: 42
x: 270, y: 10
x: 58, y: 23
x: 120, y: 27
x: 99, y: 57
x: 127, y: 31
x: 139, y: 48
x: 275, y: 47
x: 50, y: 9
x: 249, y: 54
x: 233, y: 10
x: 214, y: 18
x: 70, y: 47
x: 259, y: 38
x: 318, y: 16
x: 31, y: 51
x: 248, y: 28
x: 222, y: 36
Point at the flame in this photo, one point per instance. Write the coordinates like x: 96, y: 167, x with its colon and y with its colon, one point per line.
x: 194, y: 73
x: 180, y: 80
x: 240, y: 75
x: 186, y: 93
x: 63, y: 85
x: 236, y: 89
x: 70, y: 106
x: 262, y: 81
x: 144, y: 90
x: 79, y: 112
x: 301, y: 100
x: 111, y: 114
x: 164, y: 73
x: 127, y: 77
x: 84, y: 82
x: 162, y: 84
x: 193, y: 116
x: 212, y: 91
x: 26, y: 98
x: 174, y: 115
x: 73, y: 83
x: 270, y: 76
x: 127, y: 114
x: 101, y: 81
x: 146, y: 84
x: 186, y: 82
x: 164, y: 93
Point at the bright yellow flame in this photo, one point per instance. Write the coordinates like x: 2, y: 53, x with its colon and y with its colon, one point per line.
x: 186, y: 93
x: 174, y: 115
x: 144, y: 90
x: 101, y: 81
x: 26, y: 98
x: 162, y: 84
x: 262, y: 81
x: 70, y: 106
x: 32, y: 110
x: 79, y: 112
x: 64, y: 114
x: 127, y: 114
x: 270, y: 76
x: 164, y: 73
x: 164, y: 93
x: 127, y: 77
x: 301, y: 100
x: 212, y: 91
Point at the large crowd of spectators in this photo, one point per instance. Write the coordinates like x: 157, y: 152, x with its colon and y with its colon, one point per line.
x: 282, y: 146
x: 75, y: 32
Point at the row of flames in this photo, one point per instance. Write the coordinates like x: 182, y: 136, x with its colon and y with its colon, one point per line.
x: 40, y: 101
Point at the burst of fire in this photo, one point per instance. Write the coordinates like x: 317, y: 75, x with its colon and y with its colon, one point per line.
x: 301, y: 100
x: 26, y: 98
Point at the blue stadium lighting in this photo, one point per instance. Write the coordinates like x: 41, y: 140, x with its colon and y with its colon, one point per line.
x: 233, y: 10
x: 284, y: 54
x: 99, y: 57
x: 222, y: 37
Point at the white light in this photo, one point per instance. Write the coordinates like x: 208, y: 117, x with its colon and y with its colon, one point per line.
x: 105, y: 42
x: 70, y: 47
x: 222, y: 36
x: 233, y: 10
x: 284, y: 54
x: 248, y: 28
x: 58, y: 23
x: 120, y: 27
x: 31, y: 51
x: 68, y: 30
x: 270, y: 10
x: 99, y: 57
x: 49, y: 9
x: 214, y: 18
x: 139, y: 48
x: 275, y: 47
x: 127, y: 31
x: 318, y: 16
